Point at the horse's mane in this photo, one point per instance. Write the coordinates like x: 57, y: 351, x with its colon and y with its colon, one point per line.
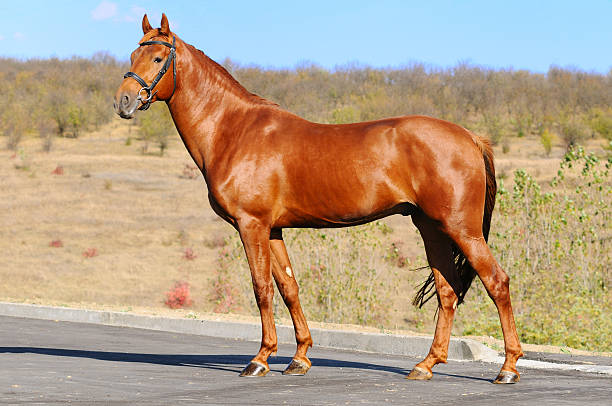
x: 221, y: 71
x: 228, y: 80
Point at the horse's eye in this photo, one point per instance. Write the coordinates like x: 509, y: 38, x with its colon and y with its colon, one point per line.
x: 157, y: 59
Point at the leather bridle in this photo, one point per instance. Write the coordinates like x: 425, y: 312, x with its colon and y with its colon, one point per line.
x: 146, y: 102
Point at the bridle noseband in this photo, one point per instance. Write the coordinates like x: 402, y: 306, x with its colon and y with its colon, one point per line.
x: 146, y: 102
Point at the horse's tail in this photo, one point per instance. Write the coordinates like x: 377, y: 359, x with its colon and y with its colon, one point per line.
x: 463, y: 267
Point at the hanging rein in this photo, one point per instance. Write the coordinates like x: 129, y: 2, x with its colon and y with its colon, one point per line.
x: 146, y: 102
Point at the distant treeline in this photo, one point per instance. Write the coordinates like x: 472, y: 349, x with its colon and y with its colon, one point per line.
x: 48, y: 97
x: 65, y: 97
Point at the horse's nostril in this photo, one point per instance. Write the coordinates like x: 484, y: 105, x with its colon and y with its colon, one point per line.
x: 126, y: 100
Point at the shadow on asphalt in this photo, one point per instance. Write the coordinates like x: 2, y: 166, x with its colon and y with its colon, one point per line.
x: 472, y: 378
x: 223, y: 362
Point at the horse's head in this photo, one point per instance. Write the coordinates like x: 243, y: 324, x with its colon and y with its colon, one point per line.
x: 152, y: 75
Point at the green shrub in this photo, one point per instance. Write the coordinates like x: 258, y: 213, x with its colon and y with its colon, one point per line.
x: 556, y: 247
x: 572, y: 131
x: 494, y: 127
x: 600, y: 121
x: 345, y: 114
x: 546, y: 139
x: 76, y: 119
x: 155, y: 126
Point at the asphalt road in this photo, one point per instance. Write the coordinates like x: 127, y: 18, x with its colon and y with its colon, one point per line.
x: 46, y: 362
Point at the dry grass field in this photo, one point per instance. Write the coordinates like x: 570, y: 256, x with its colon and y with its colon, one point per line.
x: 127, y: 223
x: 135, y: 210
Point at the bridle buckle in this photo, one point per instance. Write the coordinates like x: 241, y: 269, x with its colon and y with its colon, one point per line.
x: 150, y: 95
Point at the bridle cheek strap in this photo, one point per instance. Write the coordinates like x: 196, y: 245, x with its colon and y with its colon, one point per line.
x: 146, y: 101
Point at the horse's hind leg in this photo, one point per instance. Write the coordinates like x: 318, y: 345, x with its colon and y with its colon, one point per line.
x: 496, y: 282
x: 288, y: 288
x: 439, y: 255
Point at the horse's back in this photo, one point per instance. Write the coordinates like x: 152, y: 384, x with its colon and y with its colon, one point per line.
x: 344, y: 173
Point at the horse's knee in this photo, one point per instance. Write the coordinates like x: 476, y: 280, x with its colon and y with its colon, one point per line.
x: 292, y: 296
x: 289, y: 291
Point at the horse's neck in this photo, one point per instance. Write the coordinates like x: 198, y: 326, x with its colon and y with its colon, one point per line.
x: 205, y: 99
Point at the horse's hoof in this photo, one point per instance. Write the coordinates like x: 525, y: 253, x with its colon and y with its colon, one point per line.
x: 507, y: 377
x: 419, y: 374
x: 296, y: 367
x: 255, y: 369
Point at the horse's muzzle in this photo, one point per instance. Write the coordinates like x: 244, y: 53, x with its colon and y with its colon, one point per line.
x: 125, y: 105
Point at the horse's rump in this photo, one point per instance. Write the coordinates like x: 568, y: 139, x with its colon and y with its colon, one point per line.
x: 465, y: 271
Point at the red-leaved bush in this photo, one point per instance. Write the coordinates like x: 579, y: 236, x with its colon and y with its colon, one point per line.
x: 90, y: 252
x: 178, y: 296
x: 224, y: 294
x: 59, y: 170
x: 190, y: 171
x: 56, y: 243
x: 189, y: 254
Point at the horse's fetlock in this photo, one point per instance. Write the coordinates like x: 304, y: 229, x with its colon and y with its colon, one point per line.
x: 269, y: 347
x: 304, y: 340
x: 439, y: 358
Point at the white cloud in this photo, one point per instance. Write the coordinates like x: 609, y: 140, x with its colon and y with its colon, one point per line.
x: 1, y: 37
x: 135, y: 14
x: 18, y: 35
x: 107, y: 10
x: 104, y: 11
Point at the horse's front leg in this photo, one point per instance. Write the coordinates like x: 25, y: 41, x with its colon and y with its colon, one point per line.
x: 256, y: 240
x: 288, y: 287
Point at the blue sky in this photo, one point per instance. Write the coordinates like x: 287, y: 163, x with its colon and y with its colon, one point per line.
x: 501, y: 34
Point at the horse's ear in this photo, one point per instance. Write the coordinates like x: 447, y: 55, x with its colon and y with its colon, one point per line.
x: 146, y: 27
x: 165, y: 28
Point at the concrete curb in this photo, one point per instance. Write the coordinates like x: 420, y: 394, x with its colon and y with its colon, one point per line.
x: 459, y: 349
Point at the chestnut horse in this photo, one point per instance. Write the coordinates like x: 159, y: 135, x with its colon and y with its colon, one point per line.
x: 267, y: 169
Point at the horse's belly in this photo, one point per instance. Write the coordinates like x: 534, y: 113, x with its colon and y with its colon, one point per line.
x: 343, y: 206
